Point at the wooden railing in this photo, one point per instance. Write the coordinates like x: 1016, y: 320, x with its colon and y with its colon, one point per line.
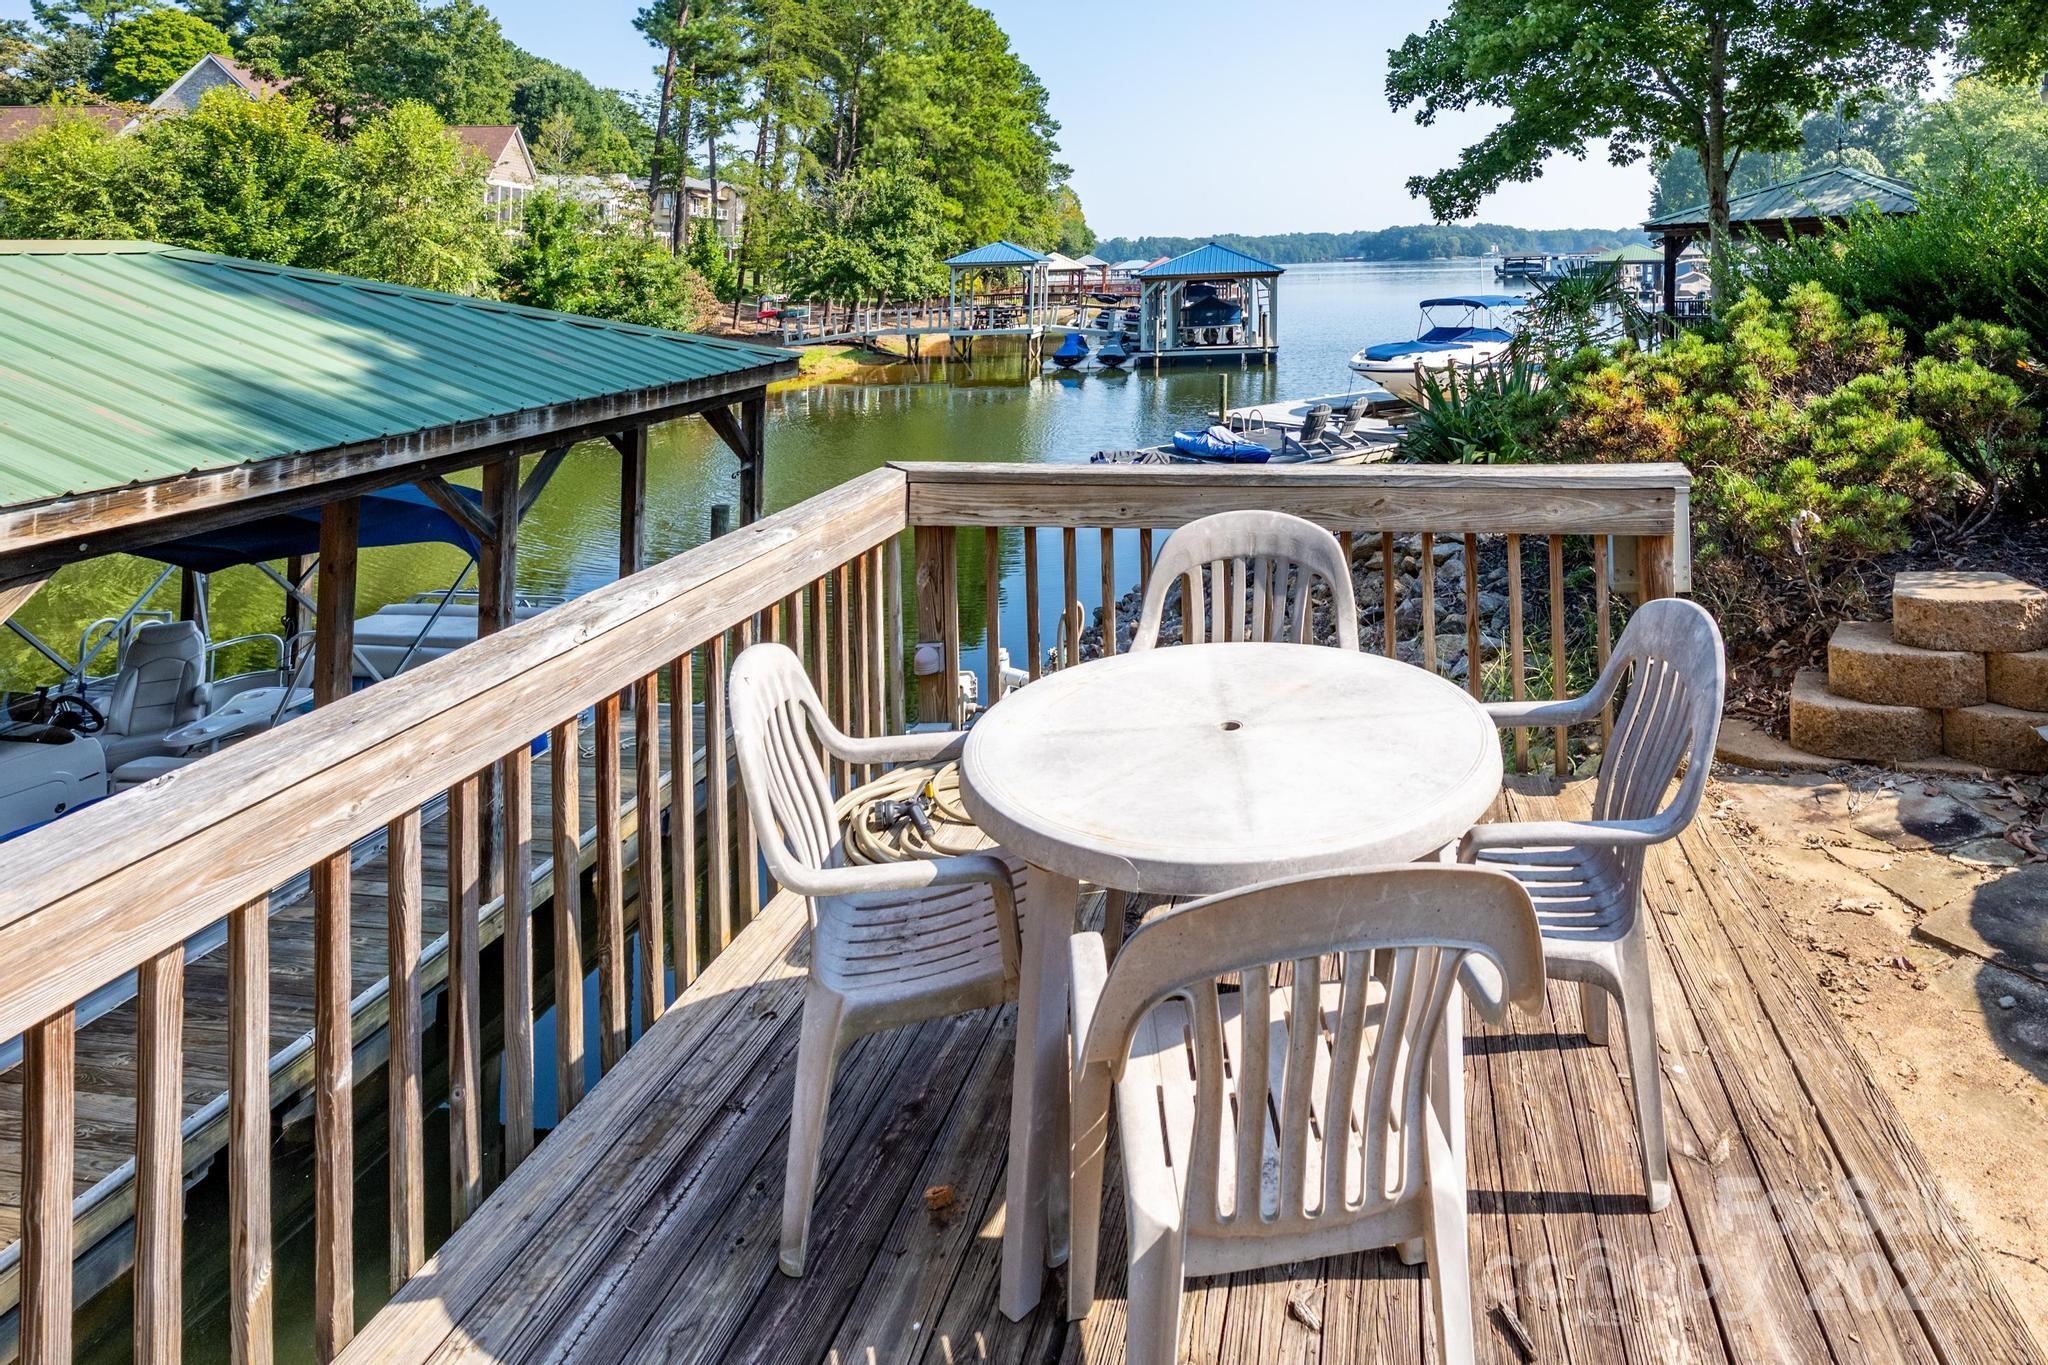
x: 123, y: 886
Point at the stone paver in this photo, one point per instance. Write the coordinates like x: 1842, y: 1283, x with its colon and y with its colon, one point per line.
x: 2019, y: 680
x: 1997, y: 737
x: 1956, y: 609
x: 1838, y: 727
x: 1866, y: 664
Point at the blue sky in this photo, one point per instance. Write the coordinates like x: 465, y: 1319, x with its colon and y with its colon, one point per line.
x: 1277, y: 123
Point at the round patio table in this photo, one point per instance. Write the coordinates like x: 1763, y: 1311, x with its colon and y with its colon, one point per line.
x: 1188, y: 771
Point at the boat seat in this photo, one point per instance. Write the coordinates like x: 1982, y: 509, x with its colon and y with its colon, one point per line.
x: 137, y: 771
x: 160, y: 686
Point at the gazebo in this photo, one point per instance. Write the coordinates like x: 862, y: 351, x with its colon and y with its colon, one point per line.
x: 1001, y: 256
x: 1797, y: 207
x: 1211, y: 303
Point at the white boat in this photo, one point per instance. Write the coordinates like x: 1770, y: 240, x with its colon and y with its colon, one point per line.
x: 1470, y: 331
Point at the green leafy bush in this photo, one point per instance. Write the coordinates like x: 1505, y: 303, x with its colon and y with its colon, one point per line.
x: 1797, y: 419
x: 1504, y: 414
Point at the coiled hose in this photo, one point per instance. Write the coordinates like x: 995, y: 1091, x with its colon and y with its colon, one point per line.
x: 953, y: 831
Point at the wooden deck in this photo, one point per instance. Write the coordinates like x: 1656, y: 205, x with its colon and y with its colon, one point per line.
x: 106, y: 1047
x: 1806, y: 1225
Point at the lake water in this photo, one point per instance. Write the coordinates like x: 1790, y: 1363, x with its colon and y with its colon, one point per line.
x: 998, y: 409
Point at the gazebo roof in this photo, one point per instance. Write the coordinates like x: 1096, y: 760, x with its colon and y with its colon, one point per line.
x: 1832, y: 192
x: 1214, y: 261
x: 997, y: 253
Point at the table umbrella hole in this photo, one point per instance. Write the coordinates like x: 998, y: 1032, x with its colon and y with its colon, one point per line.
x: 1233, y: 725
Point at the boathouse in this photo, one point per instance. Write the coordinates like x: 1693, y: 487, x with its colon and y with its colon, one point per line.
x: 1799, y: 207
x: 202, y: 411
x: 975, y: 303
x: 1212, y: 303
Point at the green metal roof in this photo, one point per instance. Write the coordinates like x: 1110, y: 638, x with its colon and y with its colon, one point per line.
x: 128, y: 362
x: 1830, y: 192
x: 1633, y: 254
x: 1213, y: 261
x: 998, y: 253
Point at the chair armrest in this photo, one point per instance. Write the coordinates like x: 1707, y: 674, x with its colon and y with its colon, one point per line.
x: 917, y: 874
x: 1483, y: 986
x: 1564, y: 834
x: 1090, y: 962
x: 926, y: 747
x: 1570, y: 711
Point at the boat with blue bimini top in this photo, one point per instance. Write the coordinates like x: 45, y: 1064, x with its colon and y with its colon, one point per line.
x: 1469, y: 331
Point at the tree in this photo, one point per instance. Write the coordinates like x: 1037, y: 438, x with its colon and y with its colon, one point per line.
x: 1870, y: 136
x: 874, y: 235
x: 352, y: 58
x: 706, y: 256
x: 412, y: 208
x: 1983, y: 125
x: 566, y: 261
x: 1719, y: 78
x: 70, y: 178
x: 143, y: 55
x: 243, y: 177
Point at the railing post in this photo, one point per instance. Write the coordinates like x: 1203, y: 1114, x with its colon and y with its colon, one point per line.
x: 1656, y: 574
x: 938, y: 691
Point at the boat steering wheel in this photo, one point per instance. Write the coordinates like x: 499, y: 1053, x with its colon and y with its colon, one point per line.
x: 65, y: 710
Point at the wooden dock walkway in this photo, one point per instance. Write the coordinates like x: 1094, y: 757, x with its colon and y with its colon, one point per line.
x: 106, y: 1047
x: 1806, y: 1226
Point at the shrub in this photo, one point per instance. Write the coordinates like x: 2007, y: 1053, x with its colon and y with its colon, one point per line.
x: 1504, y: 414
x: 1797, y: 420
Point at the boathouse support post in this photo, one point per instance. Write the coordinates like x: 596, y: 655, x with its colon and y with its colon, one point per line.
x: 1674, y: 247
x: 753, y: 464
x: 294, y: 620
x: 497, y: 586
x: 632, y: 448
x: 334, y: 1312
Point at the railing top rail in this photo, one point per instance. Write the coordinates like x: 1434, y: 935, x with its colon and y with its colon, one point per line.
x: 1584, y: 499
x: 89, y: 897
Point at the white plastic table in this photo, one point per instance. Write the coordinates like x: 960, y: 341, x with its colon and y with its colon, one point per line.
x: 1188, y: 771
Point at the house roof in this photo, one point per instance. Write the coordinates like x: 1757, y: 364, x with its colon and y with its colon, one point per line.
x: 1213, y: 261
x: 19, y: 120
x: 492, y: 139
x: 998, y: 253
x: 256, y: 85
x: 126, y: 364
x: 1830, y: 192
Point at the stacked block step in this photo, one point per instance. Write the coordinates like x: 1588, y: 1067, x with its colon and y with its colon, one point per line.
x: 1961, y: 669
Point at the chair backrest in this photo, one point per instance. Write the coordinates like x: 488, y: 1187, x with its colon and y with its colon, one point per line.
x: 1248, y: 576
x: 1313, y: 424
x: 776, y: 717
x: 1677, y: 682
x: 161, y: 671
x: 1415, y: 923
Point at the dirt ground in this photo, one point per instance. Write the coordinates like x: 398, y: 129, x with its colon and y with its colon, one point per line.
x: 1922, y: 907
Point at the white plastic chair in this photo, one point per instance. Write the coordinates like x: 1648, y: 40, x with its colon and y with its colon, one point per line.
x: 1368, y: 1047
x: 1261, y: 567
x: 1586, y: 875
x: 891, y: 943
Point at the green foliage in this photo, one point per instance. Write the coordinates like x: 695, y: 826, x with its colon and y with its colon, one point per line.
x: 875, y: 235
x: 1504, y: 414
x: 412, y: 205
x: 1798, y: 420
x: 565, y: 260
x: 143, y: 55
x: 351, y: 58
x: 573, y: 126
x: 242, y: 177
x: 1872, y: 134
x: 1983, y: 126
x: 1648, y: 76
x: 706, y: 256
x: 69, y: 178
x: 1977, y: 248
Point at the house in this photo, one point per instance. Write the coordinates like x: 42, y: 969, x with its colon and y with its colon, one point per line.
x: 509, y: 175
x: 211, y: 72
x: 623, y: 198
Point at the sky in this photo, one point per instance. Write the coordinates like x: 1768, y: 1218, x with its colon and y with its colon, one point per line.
x: 1276, y: 122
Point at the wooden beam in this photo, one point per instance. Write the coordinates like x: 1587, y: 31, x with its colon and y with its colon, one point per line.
x: 539, y: 477
x: 48, y: 535
x: 632, y: 447
x: 15, y: 596
x: 754, y: 459
x: 727, y: 426
x: 444, y: 496
x: 333, y: 1043
x: 497, y: 591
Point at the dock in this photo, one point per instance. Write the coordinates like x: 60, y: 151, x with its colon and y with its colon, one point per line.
x: 1806, y: 1225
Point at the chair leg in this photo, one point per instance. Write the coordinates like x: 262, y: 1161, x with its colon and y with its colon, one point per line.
x: 817, y: 1056
x: 1646, y: 1077
x: 1593, y: 1012
x: 1157, y: 1273
x: 1450, y: 1269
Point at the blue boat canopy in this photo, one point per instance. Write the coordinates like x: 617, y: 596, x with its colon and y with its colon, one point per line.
x: 1214, y: 261
x: 392, y: 516
x: 998, y: 253
x: 1478, y: 301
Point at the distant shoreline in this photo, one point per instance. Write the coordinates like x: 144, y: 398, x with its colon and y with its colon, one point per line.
x: 1419, y: 242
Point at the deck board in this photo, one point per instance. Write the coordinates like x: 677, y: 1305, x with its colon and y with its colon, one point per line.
x: 645, y: 1228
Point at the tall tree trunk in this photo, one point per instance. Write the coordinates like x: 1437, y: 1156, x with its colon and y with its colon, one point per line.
x: 668, y: 90
x: 679, y: 221
x: 711, y: 163
x: 1714, y: 159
